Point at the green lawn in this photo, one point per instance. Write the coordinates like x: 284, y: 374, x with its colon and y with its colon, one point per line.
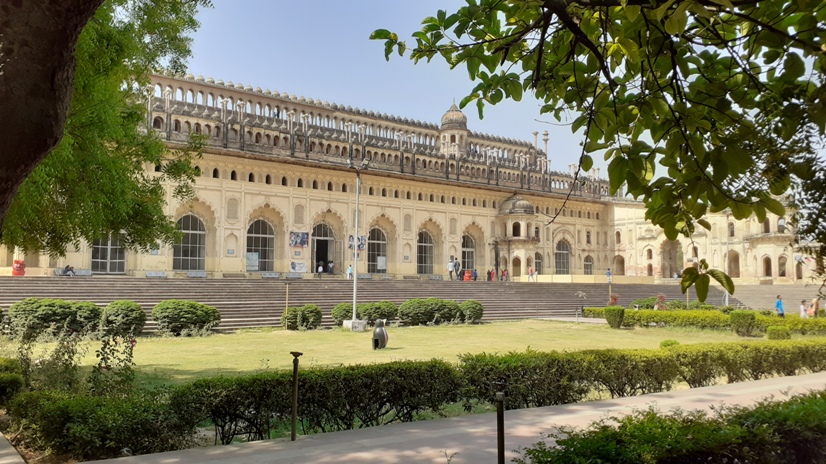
x: 176, y: 360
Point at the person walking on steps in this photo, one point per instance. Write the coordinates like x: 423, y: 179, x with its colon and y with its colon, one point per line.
x: 778, y: 306
x: 450, y: 269
x: 350, y: 272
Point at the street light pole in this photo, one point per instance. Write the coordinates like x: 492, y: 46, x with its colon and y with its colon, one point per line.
x: 354, y: 324
x: 726, y: 264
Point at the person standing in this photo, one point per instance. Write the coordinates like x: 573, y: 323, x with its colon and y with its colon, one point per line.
x: 450, y: 269
x: 814, y: 308
x: 350, y: 272
x: 331, y: 267
x: 804, y: 309
x: 475, y: 275
x: 778, y: 306
x: 531, y: 276
x: 608, y: 275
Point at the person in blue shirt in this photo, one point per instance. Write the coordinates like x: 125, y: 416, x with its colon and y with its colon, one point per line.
x: 778, y: 306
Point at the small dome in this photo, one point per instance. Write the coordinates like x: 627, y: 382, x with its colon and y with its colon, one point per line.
x: 516, y: 205
x: 454, y: 118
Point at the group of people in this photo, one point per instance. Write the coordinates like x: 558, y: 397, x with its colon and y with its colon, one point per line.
x: 807, y: 309
x: 321, y: 270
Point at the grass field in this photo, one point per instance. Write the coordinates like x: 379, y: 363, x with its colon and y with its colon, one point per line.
x: 178, y: 360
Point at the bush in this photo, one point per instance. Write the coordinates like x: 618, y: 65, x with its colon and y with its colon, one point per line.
x: 89, y: 428
x: 446, y: 311
x: 87, y: 315
x: 644, y: 303
x: 33, y: 316
x: 416, y: 311
x: 386, y: 310
x: 123, y: 317
x: 473, y: 311
x: 743, y: 323
x: 777, y: 332
x: 531, y: 379
x: 632, y: 372
x: 303, y: 317
x: 177, y: 316
x: 699, y: 365
x: 668, y: 343
x: 674, y: 305
x: 687, y: 318
x: 10, y: 366
x: 342, y: 312
x: 598, y: 313
x: 10, y: 385
x: 614, y: 315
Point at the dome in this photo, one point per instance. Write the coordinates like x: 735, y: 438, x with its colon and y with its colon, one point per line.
x: 454, y: 118
x: 516, y: 205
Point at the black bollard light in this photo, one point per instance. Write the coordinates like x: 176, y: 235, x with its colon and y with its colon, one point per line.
x: 500, y: 427
x: 295, y: 354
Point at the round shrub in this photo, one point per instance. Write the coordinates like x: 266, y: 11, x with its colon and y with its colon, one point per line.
x: 668, y: 343
x: 473, y: 311
x: 446, y: 311
x: 176, y: 316
x: 33, y: 316
x: 743, y: 322
x: 10, y: 385
x: 342, y: 312
x: 614, y: 315
x: 416, y: 311
x: 778, y: 332
x: 87, y: 315
x: 644, y: 303
x: 123, y: 317
x: 673, y: 305
x: 301, y: 317
x: 386, y: 310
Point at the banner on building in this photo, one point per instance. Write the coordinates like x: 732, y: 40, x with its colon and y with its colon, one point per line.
x: 298, y: 266
x: 299, y: 239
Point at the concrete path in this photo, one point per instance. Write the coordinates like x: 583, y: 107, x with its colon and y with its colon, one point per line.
x: 469, y: 439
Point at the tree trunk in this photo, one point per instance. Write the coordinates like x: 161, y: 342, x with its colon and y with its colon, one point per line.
x: 37, y: 65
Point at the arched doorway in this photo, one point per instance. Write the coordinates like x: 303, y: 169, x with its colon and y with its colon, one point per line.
x: 261, y: 241
x: 562, y: 257
x: 733, y: 267
x: 324, y: 246
x: 767, y: 267
x: 781, y: 266
x: 537, y: 260
x: 671, y: 258
x: 424, y: 253
x: 588, y: 267
x: 798, y: 271
x: 468, y: 252
x: 377, y: 251
x: 517, y: 267
x: 649, y: 271
x: 190, y: 253
x: 619, y: 265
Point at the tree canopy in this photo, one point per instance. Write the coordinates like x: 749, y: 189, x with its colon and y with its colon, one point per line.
x: 696, y: 105
x: 94, y: 182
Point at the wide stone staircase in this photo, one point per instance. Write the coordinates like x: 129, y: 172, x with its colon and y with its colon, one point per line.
x: 247, y: 303
x: 764, y: 296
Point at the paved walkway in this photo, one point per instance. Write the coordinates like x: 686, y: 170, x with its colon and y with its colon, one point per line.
x: 469, y: 439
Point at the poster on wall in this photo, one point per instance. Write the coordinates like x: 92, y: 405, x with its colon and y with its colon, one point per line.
x: 381, y: 263
x: 362, y: 242
x: 298, y: 266
x: 299, y: 239
x: 252, y: 262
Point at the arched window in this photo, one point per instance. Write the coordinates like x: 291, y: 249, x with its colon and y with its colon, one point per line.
x: 283, y: 181
x: 468, y: 252
x: 767, y: 226
x: 315, y: 185
x: 589, y: 265
x: 781, y: 225
x: 189, y: 254
x: 343, y: 188
x: 157, y: 123
x: 618, y: 238
x: 424, y: 253
x: 261, y: 240
x: 233, y: 176
x: 537, y: 263
x: 649, y: 253
x: 377, y: 251
x: 300, y: 183
x: 563, y: 257
x: 536, y: 233
x: 731, y: 229
x: 767, y: 267
x: 215, y: 174
x: 587, y: 237
x: 268, y: 179
x: 781, y: 266
x: 251, y: 177
x: 517, y: 229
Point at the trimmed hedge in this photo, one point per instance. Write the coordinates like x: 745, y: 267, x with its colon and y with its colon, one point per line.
x: 472, y: 310
x: 791, y: 431
x: 332, y: 399
x: 342, y: 312
x: 614, y: 315
x: 88, y: 428
x: 386, y: 310
x: 743, y: 322
x: 123, y: 317
x: 416, y: 311
x: 301, y: 317
x: 777, y: 332
x: 33, y: 316
x: 644, y: 303
x: 177, y: 316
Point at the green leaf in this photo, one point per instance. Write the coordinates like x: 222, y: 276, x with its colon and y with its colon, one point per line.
x: 380, y: 34
x: 701, y: 287
x: 689, y: 277
x: 587, y: 163
x: 706, y: 225
x: 632, y: 12
x: 723, y: 279
x: 774, y: 206
x: 794, y: 66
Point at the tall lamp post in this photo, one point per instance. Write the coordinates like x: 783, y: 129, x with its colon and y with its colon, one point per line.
x: 354, y: 324
x: 725, y: 262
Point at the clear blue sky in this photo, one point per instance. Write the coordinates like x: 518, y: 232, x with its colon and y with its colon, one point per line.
x: 321, y: 49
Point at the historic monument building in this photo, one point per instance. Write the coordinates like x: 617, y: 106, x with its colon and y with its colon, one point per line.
x: 277, y: 194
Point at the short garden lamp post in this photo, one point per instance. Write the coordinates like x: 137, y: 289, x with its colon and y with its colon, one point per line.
x: 354, y: 324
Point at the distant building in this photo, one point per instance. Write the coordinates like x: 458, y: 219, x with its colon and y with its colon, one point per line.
x: 275, y: 194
